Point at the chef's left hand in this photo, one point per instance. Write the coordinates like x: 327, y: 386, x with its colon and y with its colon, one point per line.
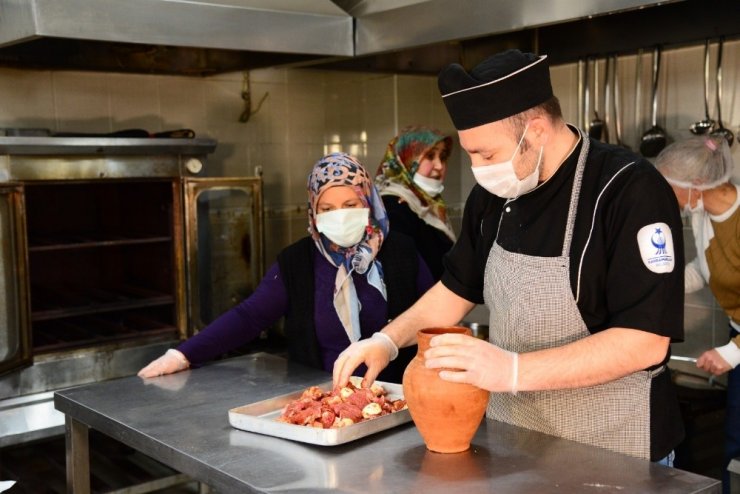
x: 473, y: 361
x: 711, y: 361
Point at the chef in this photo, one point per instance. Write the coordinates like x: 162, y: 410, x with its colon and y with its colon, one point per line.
x: 576, y: 248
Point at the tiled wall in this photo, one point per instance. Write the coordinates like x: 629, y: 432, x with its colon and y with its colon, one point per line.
x: 309, y: 112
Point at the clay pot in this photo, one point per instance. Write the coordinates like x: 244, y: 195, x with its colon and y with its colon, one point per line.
x: 446, y: 414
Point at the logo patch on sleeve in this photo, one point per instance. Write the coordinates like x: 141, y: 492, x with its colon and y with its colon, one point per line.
x: 656, y: 247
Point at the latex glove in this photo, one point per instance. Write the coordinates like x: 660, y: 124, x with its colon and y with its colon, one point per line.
x: 172, y: 361
x: 711, y: 361
x: 473, y: 361
x: 375, y: 352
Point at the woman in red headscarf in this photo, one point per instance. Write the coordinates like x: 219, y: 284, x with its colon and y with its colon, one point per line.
x: 410, y: 180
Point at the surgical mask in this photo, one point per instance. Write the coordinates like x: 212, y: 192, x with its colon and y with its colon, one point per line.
x: 431, y: 186
x: 500, y: 178
x: 688, y: 210
x: 345, y: 227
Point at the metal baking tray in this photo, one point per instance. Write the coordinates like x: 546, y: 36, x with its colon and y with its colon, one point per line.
x: 260, y: 417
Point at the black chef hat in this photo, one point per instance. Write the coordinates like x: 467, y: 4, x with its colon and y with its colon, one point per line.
x: 500, y: 86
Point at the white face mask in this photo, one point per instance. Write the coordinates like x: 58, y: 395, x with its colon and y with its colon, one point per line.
x: 345, y: 227
x: 431, y: 186
x: 688, y: 210
x: 500, y: 178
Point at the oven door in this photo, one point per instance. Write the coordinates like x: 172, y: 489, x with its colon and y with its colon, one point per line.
x: 224, y: 246
x: 15, y: 333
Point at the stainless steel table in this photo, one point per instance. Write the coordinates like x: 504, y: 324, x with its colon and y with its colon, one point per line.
x: 182, y: 421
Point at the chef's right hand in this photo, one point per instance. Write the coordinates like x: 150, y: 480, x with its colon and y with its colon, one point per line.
x: 375, y: 352
x: 172, y: 361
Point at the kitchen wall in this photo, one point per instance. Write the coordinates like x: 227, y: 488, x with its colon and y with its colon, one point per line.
x: 309, y: 112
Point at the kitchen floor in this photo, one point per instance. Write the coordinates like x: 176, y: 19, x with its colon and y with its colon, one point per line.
x: 39, y: 468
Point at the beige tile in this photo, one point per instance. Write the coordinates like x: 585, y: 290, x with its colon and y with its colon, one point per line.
x: 378, y: 109
x: 231, y: 157
x: 236, y: 76
x: 305, y: 76
x: 134, y: 102
x: 223, y: 102
x: 269, y: 122
x: 273, y: 158
x: 82, y: 102
x: 415, y: 100
x: 344, y: 77
x: 27, y: 100
x: 183, y: 104
x: 268, y: 76
x: 305, y: 113
x: 346, y: 101
x: 301, y: 158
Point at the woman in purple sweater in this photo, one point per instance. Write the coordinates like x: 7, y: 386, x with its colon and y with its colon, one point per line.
x: 335, y: 287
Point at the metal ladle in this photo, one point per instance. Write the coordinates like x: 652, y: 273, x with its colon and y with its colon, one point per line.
x: 654, y: 139
x: 617, y: 105
x: 707, y: 125
x: 721, y: 131
x: 596, y: 127
x: 607, y: 99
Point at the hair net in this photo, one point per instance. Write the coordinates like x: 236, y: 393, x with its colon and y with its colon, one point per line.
x: 700, y: 163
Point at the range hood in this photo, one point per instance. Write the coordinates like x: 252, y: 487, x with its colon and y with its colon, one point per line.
x: 202, y: 37
x: 176, y: 36
x: 423, y: 36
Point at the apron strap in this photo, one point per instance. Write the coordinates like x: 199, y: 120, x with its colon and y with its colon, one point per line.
x: 575, y: 193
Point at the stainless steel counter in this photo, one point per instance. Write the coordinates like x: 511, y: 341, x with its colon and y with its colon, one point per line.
x: 182, y: 421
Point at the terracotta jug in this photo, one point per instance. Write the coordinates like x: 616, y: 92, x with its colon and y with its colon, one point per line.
x: 446, y: 414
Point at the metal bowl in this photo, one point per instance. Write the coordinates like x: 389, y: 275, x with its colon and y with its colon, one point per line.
x: 479, y: 330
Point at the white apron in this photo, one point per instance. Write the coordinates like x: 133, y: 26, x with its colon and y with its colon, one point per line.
x: 532, y: 308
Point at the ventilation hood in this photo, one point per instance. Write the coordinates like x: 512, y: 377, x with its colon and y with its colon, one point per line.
x: 202, y: 37
x: 177, y: 36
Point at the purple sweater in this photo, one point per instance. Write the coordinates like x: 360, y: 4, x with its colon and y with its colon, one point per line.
x: 269, y: 303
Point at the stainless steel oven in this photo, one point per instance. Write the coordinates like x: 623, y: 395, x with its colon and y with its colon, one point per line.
x: 113, y: 249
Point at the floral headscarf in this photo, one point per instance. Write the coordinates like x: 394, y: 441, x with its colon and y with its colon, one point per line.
x: 396, y: 172
x: 334, y: 170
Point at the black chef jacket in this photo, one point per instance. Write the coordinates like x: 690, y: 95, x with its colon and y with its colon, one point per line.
x: 621, y: 192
